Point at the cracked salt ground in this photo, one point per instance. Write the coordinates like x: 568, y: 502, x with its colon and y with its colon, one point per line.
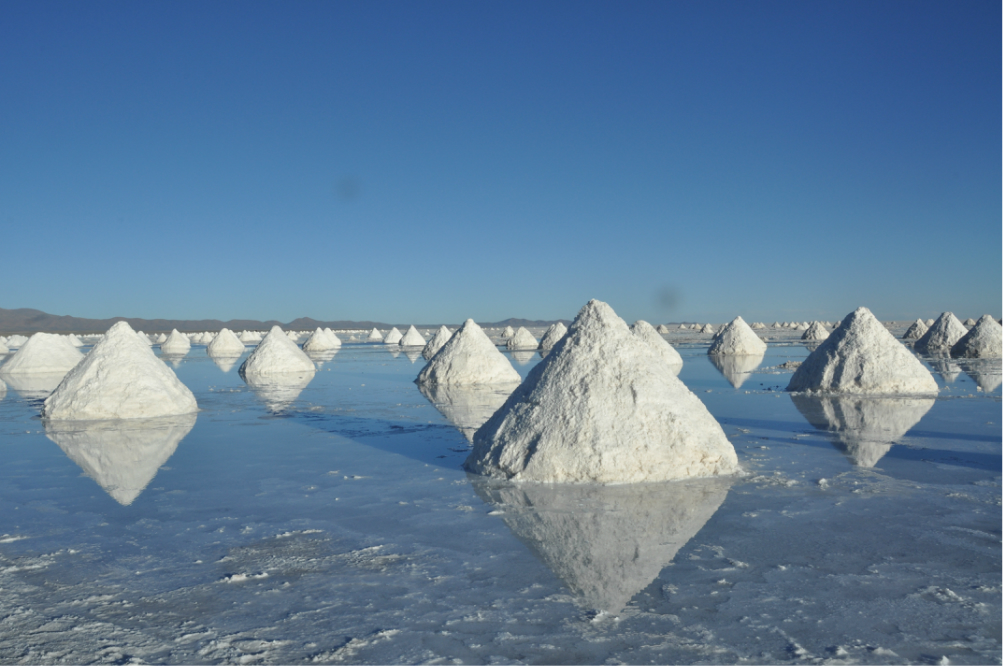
x: 336, y: 526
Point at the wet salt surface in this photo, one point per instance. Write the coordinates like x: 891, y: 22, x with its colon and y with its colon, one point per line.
x: 334, y: 524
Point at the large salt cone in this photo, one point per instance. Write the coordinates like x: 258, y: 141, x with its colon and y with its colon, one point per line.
x: 225, y: 344
x: 606, y: 543
x: 942, y: 335
x: 278, y: 391
x: 603, y: 407
x: 736, y: 338
x: 393, y: 337
x: 469, y: 357
x: 862, y: 357
x: 523, y: 340
x: 176, y: 344
x: 277, y: 354
x: 437, y: 342
x: 43, y: 353
x: 467, y: 407
x: 552, y: 336
x: 736, y: 368
x: 123, y: 456
x: 648, y: 334
x: 984, y: 340
x: 867, y: 426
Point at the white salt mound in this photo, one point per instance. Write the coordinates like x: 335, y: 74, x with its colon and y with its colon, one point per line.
x: 3, y: 349
x: 322, y: 340
x: 333, y: 337
x: 440, y: 338
x: 15, y: 341
x: 707, y: 329
x: 176, y: 343
x: 508, y: 332
x: 393, y: 337
x: 121, y: 378
x: 916, y: 331
x: 943, y: 335
x: 815, y: 332
x: 43, y: 353
x: 249, y: 337
x: 929, y: 322
x: 985, y: 340
x: 468, y: 358
x: 276, y: 354
x: 412, y: 338
x: 522, y: 339
x: 969, y: 322
x: 603, y: 407
x: 552, y: 336
x: 375, y: 336
x: 226, y: 343
x: 74, y: 340
x: 646, y: 332
x: 861, y: 356
x: 663, y: 329
x: 737, y: 338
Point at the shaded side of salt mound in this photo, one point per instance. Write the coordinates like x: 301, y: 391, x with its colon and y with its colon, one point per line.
x: 146, y: 339
x: 943, y: 335
x: 440, y: 338
x: 225, y: 344
x: 552, y: 336
x: 522, y: 339
x: 646, y: 332
x: 412, y: 338
x: 319, y: 340
x: 737, y: 338
x: 176, y: 343
x: 985, y: 340
x: 508, y: 332
x: 276, y: 354
x: 74, y: 340
x: 121, y: 378
x: 333, y: 338
x: 861, y: 356
x: 393, y: 337
x: 815, y: 332
x: 375, y: 336
x: 603, y: 407
x: 916, y: 331
x: 43, y: 353
x: 469, y: 357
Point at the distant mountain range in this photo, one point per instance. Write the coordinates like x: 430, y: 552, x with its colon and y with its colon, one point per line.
x: 27, y: 320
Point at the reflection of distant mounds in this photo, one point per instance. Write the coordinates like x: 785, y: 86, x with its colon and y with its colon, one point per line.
x: 522, y: 357
x: 224, y: 363
x: 319, y: 358
x: 173, y: 359
x: 987, y: 373
x: 946, y: 368
x: 736, y: 368
x: 866, y: 426
x: 124, y: 455
x: 279, y: 390
x: 606, y: 543
x: 412, y: 353
x: 467, y: 406
x: 35, y: 386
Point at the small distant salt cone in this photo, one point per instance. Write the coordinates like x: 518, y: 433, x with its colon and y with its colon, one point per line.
x: 861, y: 356
x: 522, y: 340
x: 333, y: 338
x: 375, y: 336
x: 393, y: 337
x: 969, y: 322
x: 412, y: 338
x: 683, y: 327
x: 943, y: 335
x: 15, y: 341
x: 275, y: 355
x: 507, y: 333
x: 736, y: 338
x: 249, y: 337
x: 552, y: 336
x: 319, y: 341
x: 121, y: 378
x: 815, y: 333
x: 916, y: 331
x: 469, y: 358
x: 435, y: 344
x: 176, y: 343
x: 647, y: 332
x: 985, y: 340
x: 74, y: 340
x: 707, y: 329
x: 663, y: 329
x: 603, y: 407
x: 43, y: 353
x: 225, y: 344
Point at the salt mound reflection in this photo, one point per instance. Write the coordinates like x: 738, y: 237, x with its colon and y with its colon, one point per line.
x: 467, y: 407
x: 946, y: 368
x: 523, y: 357
x: 278, y: 390
x: 224, y: 363
x: 736, y: 368
x: 319, y: 358
x: 35, y: 385
x: 607, y: 543
x: 866, y: 426
x: 123, y: 455
x: 412, y: 353
x: 987, y: 373
x: 173, y: 359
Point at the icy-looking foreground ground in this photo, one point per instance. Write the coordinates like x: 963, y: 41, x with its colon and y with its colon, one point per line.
x: 330, y: 521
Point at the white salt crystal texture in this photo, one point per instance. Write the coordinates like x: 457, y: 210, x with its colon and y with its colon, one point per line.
x: 736, y: 338
x: 552, y: 336
x: 225, y: 344
x: 176, y: 343
x: 523, y: 340
x: 275, y: 355
x: 412, y: 338
x: 985, y: 340
x: 942, y: 335
x: 646, y: 332
x: 468, y: 358
x: 440, y: 338
x: 603, y: 407
x: 43, y: 353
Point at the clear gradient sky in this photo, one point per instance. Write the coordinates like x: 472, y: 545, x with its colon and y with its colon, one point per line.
x: 433, y: 161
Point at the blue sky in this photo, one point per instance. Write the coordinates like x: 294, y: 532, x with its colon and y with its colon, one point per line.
x: 442, y: 160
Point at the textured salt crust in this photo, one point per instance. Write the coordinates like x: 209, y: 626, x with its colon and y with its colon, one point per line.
x: 646, y: 332
x: 552, y: 336
x: 375, y: 336
x: 469, y: 357
x: 440, y: 338
x: 43, y: 353
x: 943, y: 335
x: 916, y: 331
x: 176, y: 343
x: 815, y: 332
x: 861, y: 356
x: 736, y: 368
x: 737, y: 338
x: 985, y: 340
x: 467, y: 406
x: 121, y: 378
x: 393, y: 337
x: 323, y: 339
x: 603, y: 407
x: 522, y: 339
x: 226, y: 343
x: 412, y: 338
x: 275, y: 355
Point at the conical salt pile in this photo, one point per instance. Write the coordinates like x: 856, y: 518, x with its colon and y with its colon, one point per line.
x: 276, y: 354
x: 647, y: 332
x: 508, y: 333
x: 393, y: 337
x: 15, y: 341
x: 522, y: 339
x: 43, y: 353
x: 861, y: 356
x: 74, y: 340
x: 985, y: 340
x: 815, y: 333
x: 603, y: 407
x: 469, y: 357
x: 412, y: 338
x: 552, y: 336
x: 943, y: 335
x: 916, y: 331
x: 225, y: 344
x: 3, y: 349
x: 758, y: 326
x: 322, y: 340
x: 663, y: 329
x: 375, y: 336
x: 333, y: 338
x: 147, y: 340
x: 120, y: 379
x: 707, y: 329
x: 737, y: 338
x: 969, y: 322
x: 176, y: 343
x: 249, y: 337
x: 435, y: 344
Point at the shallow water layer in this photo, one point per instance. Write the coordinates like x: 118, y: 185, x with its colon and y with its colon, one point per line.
x: 330, y: 521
